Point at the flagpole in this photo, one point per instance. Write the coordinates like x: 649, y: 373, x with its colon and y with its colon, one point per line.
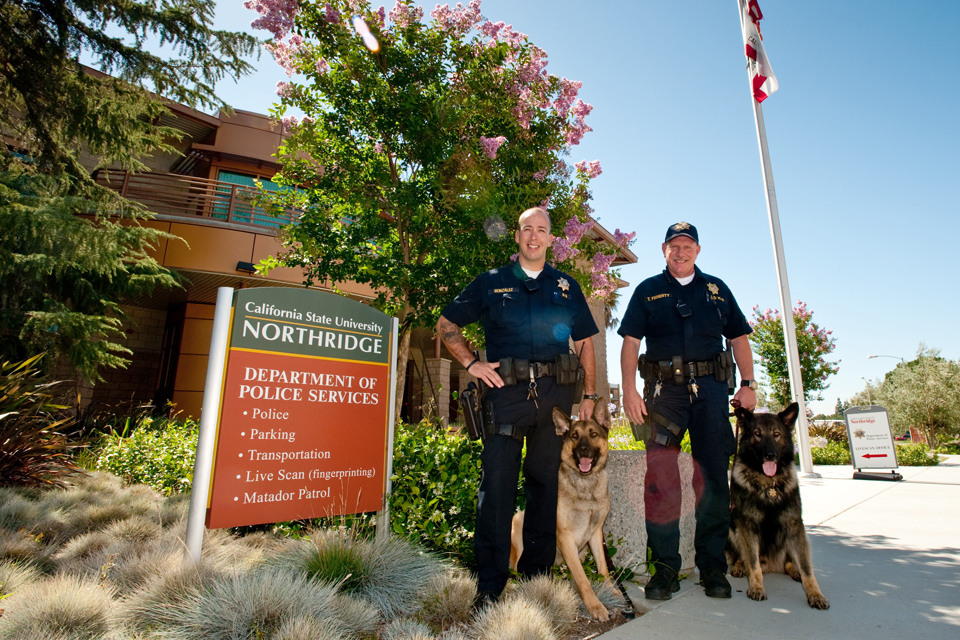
x: 789, y: 327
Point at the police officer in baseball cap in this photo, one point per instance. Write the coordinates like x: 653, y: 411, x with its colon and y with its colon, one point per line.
x: 684, y: 315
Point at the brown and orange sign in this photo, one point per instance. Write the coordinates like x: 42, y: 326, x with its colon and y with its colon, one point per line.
x: 305, y: 409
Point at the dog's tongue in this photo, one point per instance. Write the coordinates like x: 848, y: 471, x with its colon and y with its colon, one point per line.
x: 586, y: 464
x: 770, y: 468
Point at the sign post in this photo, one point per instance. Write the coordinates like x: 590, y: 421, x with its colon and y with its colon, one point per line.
x: 871, y: 443
x: 304, y: 419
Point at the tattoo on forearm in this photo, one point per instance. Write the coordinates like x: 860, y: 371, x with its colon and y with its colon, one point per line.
x: 450, y: 333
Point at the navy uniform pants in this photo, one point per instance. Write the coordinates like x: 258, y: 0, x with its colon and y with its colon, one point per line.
x: 712, y: 442
x: 498, y: 484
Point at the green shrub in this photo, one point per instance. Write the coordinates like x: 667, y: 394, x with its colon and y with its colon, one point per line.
x: 835, y: 431
x: 434, y: 488
x: 908, y: 455
x: 949, y: 448
x: 160, y: 453
x: 621, y: 436
x: 831, y: 453
x: 916, y: 455
x: 32, y: 452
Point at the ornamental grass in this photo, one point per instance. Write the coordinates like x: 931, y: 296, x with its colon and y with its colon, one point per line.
x: 97, y: 559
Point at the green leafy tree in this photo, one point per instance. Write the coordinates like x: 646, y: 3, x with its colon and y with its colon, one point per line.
x: 840, y: 407
x: 65, y: 274
x: 52, y: 106
x: 420, y: 145
x: 813, y: 343
x: 862, y: 398
x: 923, y: 393
x: 64, y: 277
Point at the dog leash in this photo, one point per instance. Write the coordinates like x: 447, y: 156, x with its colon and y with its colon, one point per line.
x: 631, y: 611
x: 736, y: 451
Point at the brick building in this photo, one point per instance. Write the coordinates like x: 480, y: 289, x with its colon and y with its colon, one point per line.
x: 204, y: 197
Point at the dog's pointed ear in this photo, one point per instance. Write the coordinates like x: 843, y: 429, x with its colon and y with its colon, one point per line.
x: 561, y: 421
x: 743, y: 415
x: 601, y: 413
x: 789, y: 415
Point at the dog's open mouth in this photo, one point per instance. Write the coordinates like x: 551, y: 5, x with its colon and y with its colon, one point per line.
x: 586, y: 464
x: 770, y: 468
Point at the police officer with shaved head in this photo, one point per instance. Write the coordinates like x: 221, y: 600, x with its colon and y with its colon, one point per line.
x: 530, y: 312
x: 684, y: 315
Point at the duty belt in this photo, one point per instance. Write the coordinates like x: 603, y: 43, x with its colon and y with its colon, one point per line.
x: 665, y: 370
x: 565, y: 368
x: 515, y: 370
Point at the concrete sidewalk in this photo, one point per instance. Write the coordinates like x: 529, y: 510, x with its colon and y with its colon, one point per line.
x: 886, y: 555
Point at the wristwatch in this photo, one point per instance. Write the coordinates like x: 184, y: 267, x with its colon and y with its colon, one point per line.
x: 590, y: 396
x: 749, y: 383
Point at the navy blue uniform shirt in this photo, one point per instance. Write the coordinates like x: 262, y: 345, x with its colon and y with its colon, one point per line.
x: 653, y: 314
x: 520, y: 323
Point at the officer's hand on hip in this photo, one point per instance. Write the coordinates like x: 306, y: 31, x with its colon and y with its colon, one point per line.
x: 634, y: 407
x: 747, y: 398
x: 487, y: 371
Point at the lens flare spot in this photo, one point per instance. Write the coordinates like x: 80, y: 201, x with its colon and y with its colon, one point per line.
x: 495, y: 228
x: 364, y: 32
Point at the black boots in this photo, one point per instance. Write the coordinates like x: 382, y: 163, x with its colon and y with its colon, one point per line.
x: 662, y: 585
x: 715, y: 583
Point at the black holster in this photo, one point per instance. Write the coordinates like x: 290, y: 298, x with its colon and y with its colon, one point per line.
x: 664, y: 431
x: 470, y: 400
x: 494, y: 428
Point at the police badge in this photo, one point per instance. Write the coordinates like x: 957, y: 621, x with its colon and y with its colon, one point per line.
x: 712, y: 288
x: 563, y: 284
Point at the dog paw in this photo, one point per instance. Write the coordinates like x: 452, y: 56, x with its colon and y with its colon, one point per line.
x: 737, y: 570
x: 598, y: 611
x: 791, y: 570
x: 756, y: 593
x: 817, y: 601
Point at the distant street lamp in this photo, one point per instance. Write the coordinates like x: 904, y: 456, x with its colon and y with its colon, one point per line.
x: 883, y: 356
x: 869, y: 395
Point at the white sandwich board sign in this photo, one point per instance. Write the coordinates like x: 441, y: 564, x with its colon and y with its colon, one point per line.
x: 870, y: 437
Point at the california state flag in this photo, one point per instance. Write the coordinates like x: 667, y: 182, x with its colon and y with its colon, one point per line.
x: 763, y: 81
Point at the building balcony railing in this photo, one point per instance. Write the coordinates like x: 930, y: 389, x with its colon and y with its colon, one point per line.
x: 175, y: 195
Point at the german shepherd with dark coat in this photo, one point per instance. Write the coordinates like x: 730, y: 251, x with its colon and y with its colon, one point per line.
x: 766, y: 528
x: 583, y: 501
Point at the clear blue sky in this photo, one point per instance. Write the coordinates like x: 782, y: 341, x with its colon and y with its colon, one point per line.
x: 864, y: 138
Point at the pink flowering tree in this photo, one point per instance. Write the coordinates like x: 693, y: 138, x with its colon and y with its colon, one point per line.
x: 422, y: 142
x: 814, y: 344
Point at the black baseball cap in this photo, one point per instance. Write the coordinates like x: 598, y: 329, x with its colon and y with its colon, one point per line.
x: 682, y: 229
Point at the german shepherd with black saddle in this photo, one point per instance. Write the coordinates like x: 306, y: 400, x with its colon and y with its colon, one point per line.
x: 766, y: 528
